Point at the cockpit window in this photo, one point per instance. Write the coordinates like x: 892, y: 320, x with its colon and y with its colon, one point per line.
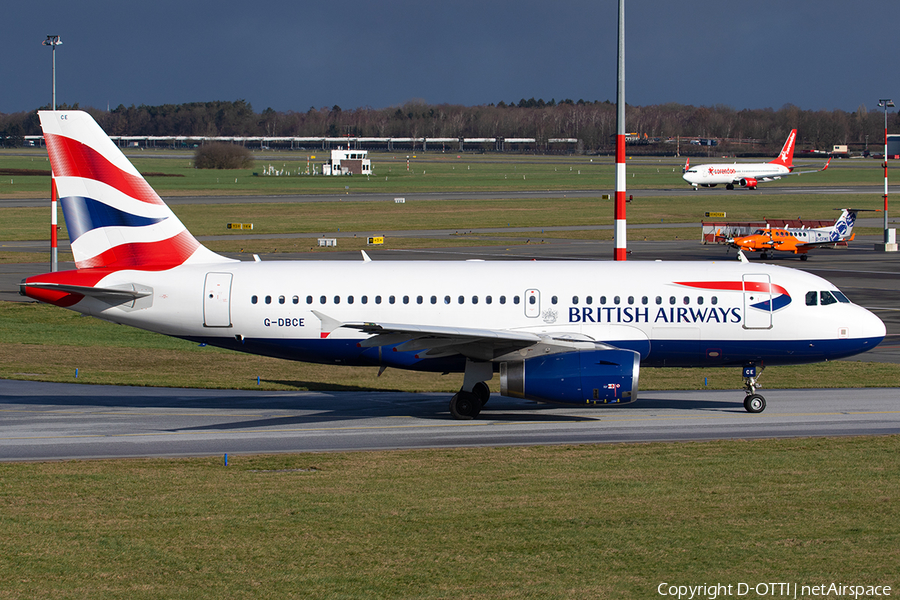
x: 841, y: 297
x: 812, y: 298
x: 827, y: 298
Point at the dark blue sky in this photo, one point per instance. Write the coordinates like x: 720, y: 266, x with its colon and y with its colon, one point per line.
x: 291, y: 55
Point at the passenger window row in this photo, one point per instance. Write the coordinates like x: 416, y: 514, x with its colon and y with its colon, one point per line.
x: 390, y: 299
x: 631, y: 300
x: 616, y: 300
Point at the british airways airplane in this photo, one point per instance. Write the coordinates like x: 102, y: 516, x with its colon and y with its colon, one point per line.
x: 564, y: 332
x: 747, y: 175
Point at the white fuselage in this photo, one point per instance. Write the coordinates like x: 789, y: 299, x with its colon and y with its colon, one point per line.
x: 720, y: 173
x: 672, y: 313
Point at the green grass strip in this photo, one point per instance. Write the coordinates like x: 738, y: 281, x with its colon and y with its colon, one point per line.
x: 539, y: 522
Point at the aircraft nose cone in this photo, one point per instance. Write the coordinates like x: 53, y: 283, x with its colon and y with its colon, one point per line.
x: 871, y: 325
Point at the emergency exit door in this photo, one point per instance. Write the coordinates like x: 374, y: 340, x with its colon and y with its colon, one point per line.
x: 532, y: 303
x: 757, y: 301
x: 217, y: 300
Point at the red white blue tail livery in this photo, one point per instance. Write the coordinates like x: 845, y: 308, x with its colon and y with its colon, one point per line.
x: 567, y: 332
x: 114, y: 218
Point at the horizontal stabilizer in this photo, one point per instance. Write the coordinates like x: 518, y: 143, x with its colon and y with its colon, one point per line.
x: 129, y: 292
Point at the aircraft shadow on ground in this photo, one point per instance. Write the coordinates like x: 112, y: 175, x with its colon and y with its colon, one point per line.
x: 527, y: 415
x: 346, y: 404
x: 431, y: 408
x: 315, y: 407
x: 658, y: 400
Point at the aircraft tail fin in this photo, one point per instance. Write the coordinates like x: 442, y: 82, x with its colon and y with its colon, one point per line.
x: 687, y: 165
x: 843, y: 227
x: 786, y: 156
x: 114, y: 218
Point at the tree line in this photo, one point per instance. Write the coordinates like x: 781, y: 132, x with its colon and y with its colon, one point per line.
x: 591, y: 122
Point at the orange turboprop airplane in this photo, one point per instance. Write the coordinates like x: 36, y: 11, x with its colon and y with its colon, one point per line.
x: 798, y: 240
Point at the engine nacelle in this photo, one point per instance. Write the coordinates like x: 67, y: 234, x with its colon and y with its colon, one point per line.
x: 579, y: 377
x: 748, y: 182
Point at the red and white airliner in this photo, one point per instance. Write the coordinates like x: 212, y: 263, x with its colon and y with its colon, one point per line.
x: 566, y: 332
x: 747, y: 175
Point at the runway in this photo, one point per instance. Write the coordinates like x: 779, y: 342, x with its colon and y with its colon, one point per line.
x: 54, y: 421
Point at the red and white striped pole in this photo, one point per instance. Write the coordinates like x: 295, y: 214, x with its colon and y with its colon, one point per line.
x: 54, y: 263
x: 884, y: 102
x: 620, y: 251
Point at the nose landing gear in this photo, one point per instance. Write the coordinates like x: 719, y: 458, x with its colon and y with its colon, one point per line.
x: 753, y: 402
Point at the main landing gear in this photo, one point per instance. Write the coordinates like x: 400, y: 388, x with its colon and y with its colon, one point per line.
x: 753, y: 402
x: 467, y: 403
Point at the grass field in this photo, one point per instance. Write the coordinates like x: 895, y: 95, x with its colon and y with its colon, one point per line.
x: 550, y: 523
x: 349, y: 215
x: 450, y: 172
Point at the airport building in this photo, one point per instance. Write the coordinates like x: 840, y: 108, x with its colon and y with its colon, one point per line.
x: 348, y: 162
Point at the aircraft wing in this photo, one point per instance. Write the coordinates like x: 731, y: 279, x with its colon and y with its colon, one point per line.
x: 436, y: 341
x: 828, y: 162
x: 761, y: 246
x: 767, y: 178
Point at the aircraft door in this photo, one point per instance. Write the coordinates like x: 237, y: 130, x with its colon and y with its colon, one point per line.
x: 217, y: 300
x: 757, y: 301
x: 532, y: 303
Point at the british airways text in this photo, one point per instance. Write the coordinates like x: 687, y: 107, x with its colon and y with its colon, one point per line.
x: 635, y: 314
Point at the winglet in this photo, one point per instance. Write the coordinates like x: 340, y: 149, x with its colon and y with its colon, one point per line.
x: 365, y: 256
x: 741, y: 257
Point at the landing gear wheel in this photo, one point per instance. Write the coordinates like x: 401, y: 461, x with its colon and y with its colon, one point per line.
x: 764, y: 255
x: 729, y: 186
x: 464, y: 406
x: 804, y: 257
x: 482, y: 392
x: 754, y: 403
